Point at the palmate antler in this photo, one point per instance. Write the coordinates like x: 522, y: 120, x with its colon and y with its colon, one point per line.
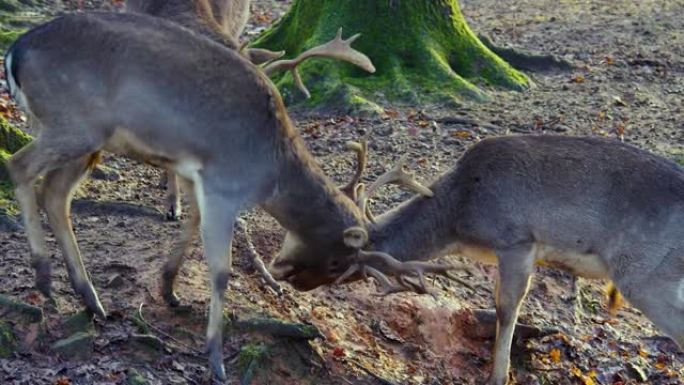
x: 337, y: 48
x: 379, y: 265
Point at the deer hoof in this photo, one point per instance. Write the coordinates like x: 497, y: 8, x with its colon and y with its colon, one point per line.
x: 173, y: 214
x: 171, y: 299
x: 91, y: 301
x: 43, y: 277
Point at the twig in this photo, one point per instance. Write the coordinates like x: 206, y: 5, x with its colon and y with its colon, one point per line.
x: 165, y: 334
x: 242, y: 229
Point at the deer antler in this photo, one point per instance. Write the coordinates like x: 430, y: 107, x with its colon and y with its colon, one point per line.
x: 337, y: 48
x: 361, y: 150
x: 386, y: 264
x: 397, y: 176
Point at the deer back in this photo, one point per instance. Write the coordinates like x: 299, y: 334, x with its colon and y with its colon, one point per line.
x: 585, y: 196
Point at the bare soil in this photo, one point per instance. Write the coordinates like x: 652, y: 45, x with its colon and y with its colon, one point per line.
x: 628, y: 84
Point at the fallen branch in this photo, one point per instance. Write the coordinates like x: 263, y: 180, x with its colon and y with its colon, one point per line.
x: 277, y: 328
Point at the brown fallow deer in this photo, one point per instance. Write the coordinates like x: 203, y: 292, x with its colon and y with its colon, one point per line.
x: 224, y: 21
x: 148, y: 88
x: 594, y: 207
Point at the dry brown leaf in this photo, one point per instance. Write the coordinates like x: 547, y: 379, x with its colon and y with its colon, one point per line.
x: 578, y: 79
x: 63, y: 381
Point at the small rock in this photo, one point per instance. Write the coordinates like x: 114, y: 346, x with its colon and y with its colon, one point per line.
x: 78, y: 345
x: 19, y: 311
x: 79, y: 322
x: 9, y: 223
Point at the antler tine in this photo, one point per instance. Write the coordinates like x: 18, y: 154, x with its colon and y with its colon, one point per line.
x: 386, y: 264
x: 361, y: 150
x: 387, y: 286
x: 338, y: 48
x: 398, y: 176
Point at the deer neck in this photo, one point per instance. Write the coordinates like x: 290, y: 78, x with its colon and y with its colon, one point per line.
x: 418, y: 229
x: 306, y: 202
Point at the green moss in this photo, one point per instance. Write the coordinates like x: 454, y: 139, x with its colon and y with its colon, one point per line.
x: 8, y: 37
x: 249, y: 356
x: 11, y: 141
x: 18, y: 311
x: 8, y: 344
x: 423, y: 51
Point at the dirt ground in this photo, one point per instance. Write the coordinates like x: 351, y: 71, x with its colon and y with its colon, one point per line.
x: 628, y: 83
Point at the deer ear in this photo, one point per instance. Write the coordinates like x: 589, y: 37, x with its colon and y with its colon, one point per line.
x: 355, y: 237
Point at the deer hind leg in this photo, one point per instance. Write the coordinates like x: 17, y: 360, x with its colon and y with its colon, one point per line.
x: 27, y: 165
x: 515, y: 269
x: 217, y: 217
x: 660, y: 296
x: 58, y: 189
x: 173, y: 198
x: 180, y: 247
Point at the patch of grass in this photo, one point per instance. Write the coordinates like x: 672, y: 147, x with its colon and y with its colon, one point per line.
x: 250, y: 355
x: 7, y: 341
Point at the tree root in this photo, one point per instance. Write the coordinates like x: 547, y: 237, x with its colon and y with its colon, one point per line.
x: 139, y: 319
x: 276, y: 328
x: 486, y: 322
x: 527, y: 61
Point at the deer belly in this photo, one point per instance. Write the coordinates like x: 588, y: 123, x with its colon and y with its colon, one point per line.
x: 126, y: 143
x: 579, y: 264
x: 472, y: 252
x: 576, y: 263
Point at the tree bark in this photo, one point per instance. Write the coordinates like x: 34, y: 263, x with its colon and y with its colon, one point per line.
x: 423, y: 51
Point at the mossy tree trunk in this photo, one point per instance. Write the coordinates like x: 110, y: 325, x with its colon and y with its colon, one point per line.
x: 11, y: 141
x: 423, y: 50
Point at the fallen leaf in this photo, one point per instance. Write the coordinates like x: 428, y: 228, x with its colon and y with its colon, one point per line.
x: 463, y: 134
x: 578, y: 79
x: 338, y: 352
x: 33, y: 298
x: 63, y: 381
x: 555, y: 355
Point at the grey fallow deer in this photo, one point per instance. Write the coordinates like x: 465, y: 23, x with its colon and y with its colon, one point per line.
x: 224, y: 21
x: 150, y: 89
x: 594, y: 207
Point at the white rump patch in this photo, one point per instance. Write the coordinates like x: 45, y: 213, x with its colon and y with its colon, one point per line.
x: 15, y: 91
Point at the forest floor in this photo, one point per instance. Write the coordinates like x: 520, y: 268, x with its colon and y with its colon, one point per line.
x: 628, y: 83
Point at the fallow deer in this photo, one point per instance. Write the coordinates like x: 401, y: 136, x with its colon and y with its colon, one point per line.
x: 224, y: 21
x: 594, y: 207
x: 151, y: 89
